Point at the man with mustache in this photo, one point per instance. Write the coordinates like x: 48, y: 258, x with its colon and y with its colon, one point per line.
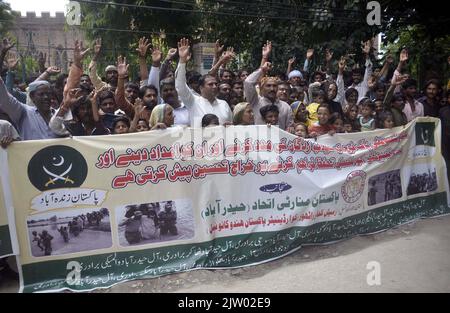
x: 269, y: 88
x: 206, y: 102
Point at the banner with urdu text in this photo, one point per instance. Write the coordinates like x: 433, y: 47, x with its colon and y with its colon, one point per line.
x: 91, y: 212
x: 8, y: 241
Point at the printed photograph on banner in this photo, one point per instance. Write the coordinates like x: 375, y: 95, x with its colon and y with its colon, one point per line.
x: 56, y: 233
x: 425, y: 145
x: 146, y: 223
x: 425, y: 134
x: 422, y: 179
x: 384, y: 187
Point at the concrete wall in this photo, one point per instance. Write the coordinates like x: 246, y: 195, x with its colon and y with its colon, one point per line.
x: 46, y: 34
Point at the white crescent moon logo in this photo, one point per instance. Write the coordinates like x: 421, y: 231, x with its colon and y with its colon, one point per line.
x: 60, y: 163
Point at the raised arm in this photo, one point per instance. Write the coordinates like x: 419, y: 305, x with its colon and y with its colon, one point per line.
x: 404, y: 55
x: 6, y: 45
x: 390, y: 93
x: 226, y: 57
x: 142, y: 49
x: 121, y: 101
x: 291, y: 62
x: 185, y: 93
x: 266, y: 50
x: 167, y: 64
x: 139, y: 108
x: 252, y: 80
x: 308, y: 60
x: 76, y: 69
x: 328, y: 58
x: 368, y: 72
x: 218, y: 50
x: 153, y: 78
x: 56, y: 123
x: 340, y: 97
x: 51, y: 71
x: 95, y: 79
x: 10, y: 105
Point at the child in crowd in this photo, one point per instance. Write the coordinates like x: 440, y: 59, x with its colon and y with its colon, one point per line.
x: 210, y: 120
x: 366, y: 120
x: 348, y: 125
x: 379, y: 106
x: 318, y: 98
x: 352, y: 116
x: 351, y: 99
x: 322, y: 126
x: 337, y: 121
x: 301, y: 130
x: 142, y: 126
x: 385, y: 120
x: 397, y: 106
x: 270, y: 114
x: 121, y: 125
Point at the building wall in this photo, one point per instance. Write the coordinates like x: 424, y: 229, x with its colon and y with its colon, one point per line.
x: 46, y: 34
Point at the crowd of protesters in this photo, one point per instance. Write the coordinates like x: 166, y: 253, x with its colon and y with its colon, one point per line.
x: 307, y: 102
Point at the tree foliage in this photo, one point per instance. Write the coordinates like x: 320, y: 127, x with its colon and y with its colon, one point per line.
x: 6, y: 17
x: 293, y: 26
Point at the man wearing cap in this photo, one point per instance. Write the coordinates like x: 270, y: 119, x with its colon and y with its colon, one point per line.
x: 295, y: 77
x: 32, y: 122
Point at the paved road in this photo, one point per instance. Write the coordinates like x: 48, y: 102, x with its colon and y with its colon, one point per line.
x: 412, y: 258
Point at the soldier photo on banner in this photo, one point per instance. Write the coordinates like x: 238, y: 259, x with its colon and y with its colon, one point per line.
x: 58, y: 233
x: 148, y: 223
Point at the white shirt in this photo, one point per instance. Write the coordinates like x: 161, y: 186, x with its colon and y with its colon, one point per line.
x: 197, y: 105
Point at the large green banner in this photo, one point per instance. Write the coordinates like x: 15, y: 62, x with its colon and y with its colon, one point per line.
x: 95, y: 211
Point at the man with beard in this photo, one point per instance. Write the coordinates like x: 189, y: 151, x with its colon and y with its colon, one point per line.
x: 32, y: 122
x: 224, y: 92
x: 170, y: 96
x: 430, y: 102
x: 206, y: 103
x: 413, y: 108
x: 269, y: 88
x: 86, y: 84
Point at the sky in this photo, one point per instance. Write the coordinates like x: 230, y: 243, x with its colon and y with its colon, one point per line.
x: 38, y: 6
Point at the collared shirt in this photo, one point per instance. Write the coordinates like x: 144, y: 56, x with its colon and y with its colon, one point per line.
x: 181, y: 115
x: 197, y: 105
x: 30, y: 123
x: 429, y: 109
x: 285, y: 117
x: 410, y: 114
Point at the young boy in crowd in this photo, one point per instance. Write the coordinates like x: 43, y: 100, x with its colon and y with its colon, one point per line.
x: 270, y: 114
x: 323, y: 125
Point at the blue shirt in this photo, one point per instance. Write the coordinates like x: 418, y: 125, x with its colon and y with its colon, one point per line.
x: 31, y: 125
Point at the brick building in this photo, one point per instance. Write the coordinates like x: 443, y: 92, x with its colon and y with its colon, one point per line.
x: 46, y: 34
